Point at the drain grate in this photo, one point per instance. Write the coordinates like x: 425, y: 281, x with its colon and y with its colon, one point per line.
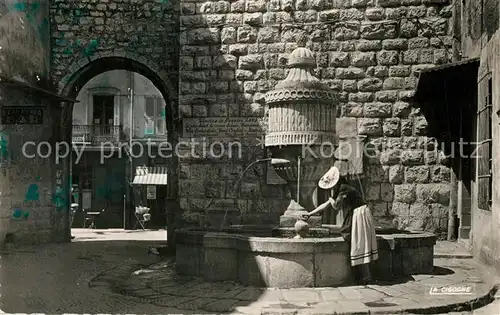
x: 379, y: 304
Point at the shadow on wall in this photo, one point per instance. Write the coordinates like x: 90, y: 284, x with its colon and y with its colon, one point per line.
x: 408, y: 184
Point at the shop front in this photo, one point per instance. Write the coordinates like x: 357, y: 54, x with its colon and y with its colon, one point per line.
x: 149, y: 194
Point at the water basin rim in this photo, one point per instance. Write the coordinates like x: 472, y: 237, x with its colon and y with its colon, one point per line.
x: 276, y: 245
x: 240, y: 228
x: 253, y: 228
x: 272, y: 239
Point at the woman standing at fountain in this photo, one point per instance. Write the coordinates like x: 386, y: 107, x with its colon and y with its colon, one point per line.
x: 358, y: 228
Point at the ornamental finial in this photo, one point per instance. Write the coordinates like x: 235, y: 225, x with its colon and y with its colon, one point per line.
x: 302, y: 40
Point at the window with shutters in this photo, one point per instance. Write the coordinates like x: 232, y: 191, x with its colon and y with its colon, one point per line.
x: 154, y: 116
x: 484, y: 144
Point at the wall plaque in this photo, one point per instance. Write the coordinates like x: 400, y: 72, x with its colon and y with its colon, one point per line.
x: 15, y: 115
x: 272, y: 178
x: 349, y: 156
x: 151, y: 192
x: 232, y: 127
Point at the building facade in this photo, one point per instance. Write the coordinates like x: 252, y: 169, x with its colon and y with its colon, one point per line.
x: 480, y: 39
x: 463, y: 99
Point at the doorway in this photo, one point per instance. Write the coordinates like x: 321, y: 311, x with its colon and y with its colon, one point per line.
x: 103, y: 115
x: 103, y: 109
x: 96, y: 91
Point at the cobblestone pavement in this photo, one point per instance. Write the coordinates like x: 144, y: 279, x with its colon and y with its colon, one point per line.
x: 55, y: 278
x: 161, y: 286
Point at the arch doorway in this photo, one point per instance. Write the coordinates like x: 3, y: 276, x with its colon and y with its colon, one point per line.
x: 126, y: 110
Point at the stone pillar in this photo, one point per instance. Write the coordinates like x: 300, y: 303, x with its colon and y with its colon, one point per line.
x: 31, y: 179
x: 33, y: 197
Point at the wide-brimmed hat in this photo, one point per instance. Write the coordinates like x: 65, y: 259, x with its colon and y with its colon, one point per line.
x: 330, y: 179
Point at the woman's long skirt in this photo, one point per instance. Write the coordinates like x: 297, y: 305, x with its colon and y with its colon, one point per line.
x: 358, y: 229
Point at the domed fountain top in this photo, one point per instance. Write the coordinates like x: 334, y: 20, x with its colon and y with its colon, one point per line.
x: 302, y: 58
x: 301, y: 84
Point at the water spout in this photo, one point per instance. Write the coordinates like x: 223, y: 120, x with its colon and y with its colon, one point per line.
x: 236, y: 185
x: 273, y: 162
x: 277, y: 161
x: 280, y: 161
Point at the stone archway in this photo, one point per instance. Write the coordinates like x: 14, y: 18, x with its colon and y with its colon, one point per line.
x: 83, y: 71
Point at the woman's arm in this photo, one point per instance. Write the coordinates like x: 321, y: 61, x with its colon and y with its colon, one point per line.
x: 323, y: 206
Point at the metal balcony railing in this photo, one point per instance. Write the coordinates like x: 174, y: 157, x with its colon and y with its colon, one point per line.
x: 96, y: 135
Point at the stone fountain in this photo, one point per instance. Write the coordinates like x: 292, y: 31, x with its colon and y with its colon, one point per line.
x: 302, y: 115
x: 301, y: 119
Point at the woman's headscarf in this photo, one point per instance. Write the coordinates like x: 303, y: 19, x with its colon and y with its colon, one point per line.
x: 353, y: 197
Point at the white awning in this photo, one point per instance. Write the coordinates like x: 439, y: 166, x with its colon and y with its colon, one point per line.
x: 156, y: 175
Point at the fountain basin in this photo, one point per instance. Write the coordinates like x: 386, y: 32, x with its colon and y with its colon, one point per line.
x: 264, y: 261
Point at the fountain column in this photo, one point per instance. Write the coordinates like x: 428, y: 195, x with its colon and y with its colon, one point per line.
x: 301, y: 132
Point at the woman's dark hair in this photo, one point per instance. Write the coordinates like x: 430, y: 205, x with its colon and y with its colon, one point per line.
x: 350, y: 196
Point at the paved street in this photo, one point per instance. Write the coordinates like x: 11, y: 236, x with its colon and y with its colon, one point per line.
x: 106, y: 271
x: 160, y: 285
x: 55, y: 278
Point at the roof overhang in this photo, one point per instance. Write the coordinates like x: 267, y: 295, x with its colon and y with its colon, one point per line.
x: 443, y: 81
x: 447, y: 96
x: 10, y: 82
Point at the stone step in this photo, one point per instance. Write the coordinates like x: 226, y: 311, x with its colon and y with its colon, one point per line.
x: 465, y: 243
x: 447, y: 249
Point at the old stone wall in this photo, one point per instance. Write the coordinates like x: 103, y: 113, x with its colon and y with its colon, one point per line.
x: 25, y: 40
x: 27, y: 184
x: 32, y: 209
x: 232, y: 52
x: 485, y: 237
x: 144, y: 31
x: 478, y: 21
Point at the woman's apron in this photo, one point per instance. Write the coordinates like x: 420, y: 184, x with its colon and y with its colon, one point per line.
x: 358, y: 229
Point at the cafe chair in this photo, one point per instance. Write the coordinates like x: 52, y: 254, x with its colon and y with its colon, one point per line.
x: 91, y: 217
x: 143, y: 217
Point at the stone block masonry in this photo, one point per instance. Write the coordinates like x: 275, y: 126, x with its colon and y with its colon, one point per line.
x: 28, y: 211
x: 232, y: 52
x: 32, y: 208
x: 144, y: 31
